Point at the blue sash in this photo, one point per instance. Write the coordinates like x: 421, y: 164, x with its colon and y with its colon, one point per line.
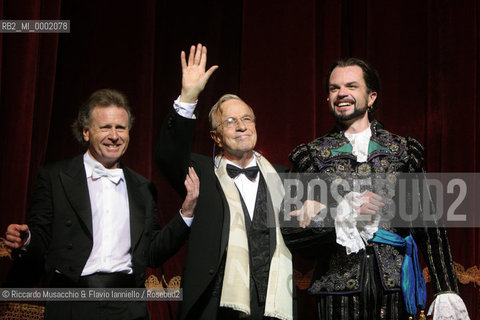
x: 413, y: 283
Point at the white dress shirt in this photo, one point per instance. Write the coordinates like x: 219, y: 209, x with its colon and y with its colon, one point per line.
x: 110, y: 223
x: 248, y: 189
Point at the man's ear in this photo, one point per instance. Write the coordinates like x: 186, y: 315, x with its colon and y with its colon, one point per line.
x: 86, y: 134
x: 215, y: 137
x: 372, y: 96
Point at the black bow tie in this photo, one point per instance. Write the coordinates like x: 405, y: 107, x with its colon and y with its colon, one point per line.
x: 250, y: 172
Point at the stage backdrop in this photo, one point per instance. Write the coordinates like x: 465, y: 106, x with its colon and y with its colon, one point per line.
x: 272, y: 53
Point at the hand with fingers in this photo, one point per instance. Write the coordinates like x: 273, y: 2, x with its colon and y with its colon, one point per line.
x: 192, y: 184
x: 309, y: 210
x: 16, y: 236
x: 371, y: 204
x: 194, y: 76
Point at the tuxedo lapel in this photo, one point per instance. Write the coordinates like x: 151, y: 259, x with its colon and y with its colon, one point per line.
x: 136, y: 206
x: 74, y: 181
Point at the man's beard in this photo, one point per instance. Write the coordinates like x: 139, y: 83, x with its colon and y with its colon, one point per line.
x: 357, y: 112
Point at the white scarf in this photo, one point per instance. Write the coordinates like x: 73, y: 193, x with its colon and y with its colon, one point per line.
x: 236, y: 281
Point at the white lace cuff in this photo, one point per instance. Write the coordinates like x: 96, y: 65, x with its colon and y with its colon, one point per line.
x: 448, y: 306
x: 346, y: 223
x: 367, y: 227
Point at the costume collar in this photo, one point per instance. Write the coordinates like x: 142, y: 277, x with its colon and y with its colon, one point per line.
x: 375, y: 125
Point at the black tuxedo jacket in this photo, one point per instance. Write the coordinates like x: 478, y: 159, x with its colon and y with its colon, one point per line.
x: 211, y: 223
x: 61, y: 222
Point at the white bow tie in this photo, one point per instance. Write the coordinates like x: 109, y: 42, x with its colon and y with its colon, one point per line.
x: 113, y: 175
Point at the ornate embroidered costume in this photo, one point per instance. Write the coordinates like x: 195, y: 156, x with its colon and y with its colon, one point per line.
x: 365, y: 284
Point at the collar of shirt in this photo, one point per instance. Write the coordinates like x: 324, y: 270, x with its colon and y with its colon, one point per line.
x: 248, y: 189
x: 89, y: 163
x: 360, y: 142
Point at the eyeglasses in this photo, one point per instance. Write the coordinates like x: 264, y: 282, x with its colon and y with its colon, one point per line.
x: 233, y: 122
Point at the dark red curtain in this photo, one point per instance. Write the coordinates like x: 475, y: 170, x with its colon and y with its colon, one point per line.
x: 273, y: 53
x: 27, y: 81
